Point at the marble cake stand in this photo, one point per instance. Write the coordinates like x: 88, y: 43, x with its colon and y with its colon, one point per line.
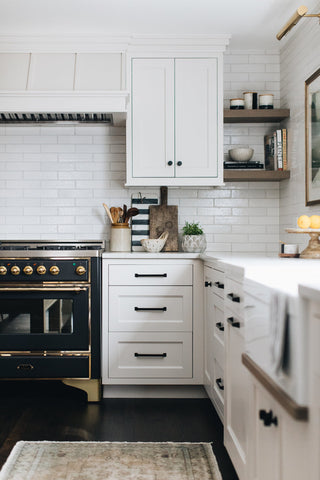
x: 313, y: 248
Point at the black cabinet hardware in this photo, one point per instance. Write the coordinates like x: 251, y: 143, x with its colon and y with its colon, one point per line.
x: 219, y: 382
x: 233, y: 297
x: 141, y: 309
x: 233, y: 322
x: 219, y: 285
x: 150, y: 275
x: 268, y: 418
x: 162, y: 355
x: 179, y: 163
x: 220, y: 326
x: 208, y: 284
x: 170, y: 163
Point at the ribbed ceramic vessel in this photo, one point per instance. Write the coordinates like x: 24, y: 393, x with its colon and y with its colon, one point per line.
x: 194, y: 243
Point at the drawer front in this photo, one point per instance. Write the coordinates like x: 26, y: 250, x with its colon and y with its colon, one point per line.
x: 44, y: 367
x: 150, y: 309
x: 150, y: 355
x: 234, y: 296
x: 214, y: 280
x: 158, y: 274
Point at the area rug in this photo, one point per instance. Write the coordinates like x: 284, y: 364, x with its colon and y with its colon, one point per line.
x: 110, y: 461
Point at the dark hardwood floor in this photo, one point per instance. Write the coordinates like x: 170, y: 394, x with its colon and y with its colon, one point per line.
x: 52, y: 411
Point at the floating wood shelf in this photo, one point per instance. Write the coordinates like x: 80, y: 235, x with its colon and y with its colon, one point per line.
x: 256, y: 116
x: 255, y: 175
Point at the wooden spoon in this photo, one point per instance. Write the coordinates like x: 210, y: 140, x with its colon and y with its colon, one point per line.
x: 132, y: 212
x: 108, y: 212
x: 114, y: 214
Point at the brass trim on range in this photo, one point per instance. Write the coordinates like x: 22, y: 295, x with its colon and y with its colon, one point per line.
x: 44, y: 289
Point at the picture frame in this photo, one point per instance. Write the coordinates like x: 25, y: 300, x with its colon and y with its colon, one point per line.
x: 312, y: 138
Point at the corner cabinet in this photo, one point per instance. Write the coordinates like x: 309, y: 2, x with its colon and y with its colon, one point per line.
x: 175, y: 124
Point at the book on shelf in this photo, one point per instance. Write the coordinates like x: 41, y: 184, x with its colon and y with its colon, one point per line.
x: 275, y: 150
x: 243, y: 165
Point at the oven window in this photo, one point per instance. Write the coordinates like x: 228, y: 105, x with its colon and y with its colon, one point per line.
x: 45, y: 315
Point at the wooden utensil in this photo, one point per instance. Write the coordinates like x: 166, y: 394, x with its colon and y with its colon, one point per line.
x: 132, y: 212
x: 162, y: 218
x: 108, y: 212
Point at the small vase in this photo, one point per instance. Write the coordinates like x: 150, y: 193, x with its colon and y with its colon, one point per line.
x: 194, y: 243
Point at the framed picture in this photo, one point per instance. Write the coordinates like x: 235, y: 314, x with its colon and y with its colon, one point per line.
x: 312, y: 132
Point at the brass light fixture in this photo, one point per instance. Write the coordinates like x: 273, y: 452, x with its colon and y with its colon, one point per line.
x: 298, y: 14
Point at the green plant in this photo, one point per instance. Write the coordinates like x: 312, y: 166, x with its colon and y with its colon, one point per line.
x: 192, y: 229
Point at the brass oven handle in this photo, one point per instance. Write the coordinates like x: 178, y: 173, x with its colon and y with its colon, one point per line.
x: 42, y: 289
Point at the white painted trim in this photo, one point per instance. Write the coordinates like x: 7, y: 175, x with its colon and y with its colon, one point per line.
x: 153, y: 391
x: 64, y: 101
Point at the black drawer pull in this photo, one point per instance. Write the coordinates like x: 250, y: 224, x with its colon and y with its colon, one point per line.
x: 233, y: 322
x: 220, y: 326
x: 219, y: 285
x: 208, y: 284
x: 162, y: 355
x: 219, y: 382
x: 233, y: 297
x: 25, y: 367
x: 268, y: 418
x: 141, y: 309
x: 150, y: 274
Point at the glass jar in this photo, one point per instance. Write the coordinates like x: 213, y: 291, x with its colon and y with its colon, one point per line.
x: 194, y: 243
x: 120, y: 237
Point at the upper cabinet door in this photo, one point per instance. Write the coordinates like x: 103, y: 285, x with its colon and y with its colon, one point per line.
x: 152, y: 118
x: 196, y: 117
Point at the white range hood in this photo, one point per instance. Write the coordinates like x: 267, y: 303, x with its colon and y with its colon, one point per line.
x: 62, y: 86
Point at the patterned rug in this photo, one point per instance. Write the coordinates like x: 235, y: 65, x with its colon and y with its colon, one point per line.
x: 110, y: 461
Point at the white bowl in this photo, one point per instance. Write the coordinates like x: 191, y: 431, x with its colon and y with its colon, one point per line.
x: 241, y: 154
x: 154, y: 245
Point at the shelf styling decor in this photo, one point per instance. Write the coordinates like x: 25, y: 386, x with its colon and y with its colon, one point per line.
x: 193, y: 238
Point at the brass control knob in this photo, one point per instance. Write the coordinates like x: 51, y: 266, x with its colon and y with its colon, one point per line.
x: 80, y: 270
x: 3, y: 270
x: 28, y: 270
x: 41, y: 270
x: 15, y: 270
x: 54, y: 270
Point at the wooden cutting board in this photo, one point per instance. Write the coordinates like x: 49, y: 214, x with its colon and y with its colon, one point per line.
x: 164, y: 217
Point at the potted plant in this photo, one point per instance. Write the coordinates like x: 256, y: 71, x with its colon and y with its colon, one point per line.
x: 193, y: 238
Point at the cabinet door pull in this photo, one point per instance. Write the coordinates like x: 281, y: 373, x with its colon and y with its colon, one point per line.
x: 151, y: 309
x: 233, y: 322
x: 208, y: 284
x: 233, y: 297
x: 170, y: 163
x: 220, y: 326
x: 219, y: 382
x: 268, y: 418
x: 179, y: 163
x: 162, y: 355
x: 150, y: 275
x: 219, y: 285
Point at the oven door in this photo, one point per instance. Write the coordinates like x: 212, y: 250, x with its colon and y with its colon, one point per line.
x: 35, y: 318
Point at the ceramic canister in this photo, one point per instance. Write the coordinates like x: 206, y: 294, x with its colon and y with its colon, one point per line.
x: 120, y: 237
x: 266, y: 101
x: 236, y: 103
x: 250, y: 100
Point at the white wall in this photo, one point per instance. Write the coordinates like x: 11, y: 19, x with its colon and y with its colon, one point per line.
x: 300, y: 57
x: 53, y: 179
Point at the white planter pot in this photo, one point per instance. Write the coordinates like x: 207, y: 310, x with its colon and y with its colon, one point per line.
x: 194, y: 243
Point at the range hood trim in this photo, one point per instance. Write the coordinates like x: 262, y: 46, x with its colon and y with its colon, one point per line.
x: 63, y: 102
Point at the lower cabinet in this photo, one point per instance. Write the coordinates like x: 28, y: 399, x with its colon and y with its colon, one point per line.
x: 278, y: 444
x: 152, y: 329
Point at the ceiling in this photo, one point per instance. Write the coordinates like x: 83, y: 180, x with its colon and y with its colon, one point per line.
x: 252, y: 23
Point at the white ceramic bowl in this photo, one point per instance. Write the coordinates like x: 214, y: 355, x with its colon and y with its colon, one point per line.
x: 154, y: 245
x: 241, y: 154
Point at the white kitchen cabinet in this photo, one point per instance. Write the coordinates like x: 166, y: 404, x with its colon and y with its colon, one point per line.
x: 152, y: 327
x: 214, y: 338
x: 175, y: 125
x: 278, y: 444
x: 236, y: 379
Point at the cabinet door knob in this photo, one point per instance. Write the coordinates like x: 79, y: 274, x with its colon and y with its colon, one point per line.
x: 179, y: 163
x: 170, y: 163
x: 268, y: 418
x: 233, y: 322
